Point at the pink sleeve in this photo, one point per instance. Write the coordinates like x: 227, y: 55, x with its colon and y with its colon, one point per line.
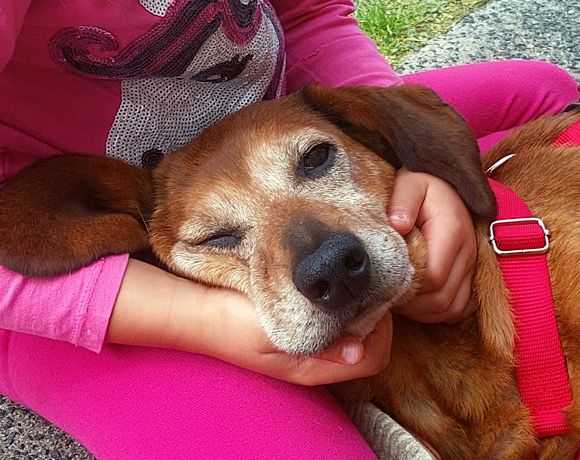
x: 75, y: 307
x: 11, y: 18
x: 325, y: 45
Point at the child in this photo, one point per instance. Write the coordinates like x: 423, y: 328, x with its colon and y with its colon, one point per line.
x: 135, y: 80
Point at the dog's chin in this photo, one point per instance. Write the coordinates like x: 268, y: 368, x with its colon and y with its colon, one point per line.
x: 363, y: 326
x: 366, y: 322
x: 314, y: 330
x: 318, y: 334
x: 304, y: 331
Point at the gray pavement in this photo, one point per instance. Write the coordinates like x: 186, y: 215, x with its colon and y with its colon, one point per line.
x: 547, y: 30
x: 26, y: 436
x: 501, y: 29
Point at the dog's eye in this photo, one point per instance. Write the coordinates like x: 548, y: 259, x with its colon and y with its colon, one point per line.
x: 317, y: 160
x: 221, y: 241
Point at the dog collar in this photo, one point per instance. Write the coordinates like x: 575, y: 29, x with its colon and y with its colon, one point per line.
x: 521, y: 241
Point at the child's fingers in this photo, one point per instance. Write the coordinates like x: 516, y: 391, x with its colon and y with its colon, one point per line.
x: 409, y: 192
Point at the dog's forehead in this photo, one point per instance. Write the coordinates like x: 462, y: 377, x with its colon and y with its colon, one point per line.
x: 256, y: 168
x: 272, y: 158
x: 260, y: 146
x: 256, y: 133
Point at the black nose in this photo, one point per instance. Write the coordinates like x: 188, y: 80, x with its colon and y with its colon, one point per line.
x: 336, y: 273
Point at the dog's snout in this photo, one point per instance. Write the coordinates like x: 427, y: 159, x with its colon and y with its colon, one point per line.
x: 336, y: 273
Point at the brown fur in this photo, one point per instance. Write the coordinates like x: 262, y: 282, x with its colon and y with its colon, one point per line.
x: 53, y: 219
x: 453, y: 385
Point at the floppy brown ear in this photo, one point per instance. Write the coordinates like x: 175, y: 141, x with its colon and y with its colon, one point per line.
x: 67, y: 211
x: 410, y: 126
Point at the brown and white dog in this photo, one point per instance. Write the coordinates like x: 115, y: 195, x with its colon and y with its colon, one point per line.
x: 286, y: 201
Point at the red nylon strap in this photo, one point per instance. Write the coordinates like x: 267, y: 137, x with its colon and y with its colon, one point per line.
x: 540, y: 365
x: 570, y: 136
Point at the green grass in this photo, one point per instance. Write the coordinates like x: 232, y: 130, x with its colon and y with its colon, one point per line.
x: 402, y: 26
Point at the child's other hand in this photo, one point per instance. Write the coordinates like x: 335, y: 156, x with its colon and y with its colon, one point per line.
x: 434, y: 206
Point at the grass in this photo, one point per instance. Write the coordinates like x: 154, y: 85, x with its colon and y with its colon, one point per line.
x: 402, y: 26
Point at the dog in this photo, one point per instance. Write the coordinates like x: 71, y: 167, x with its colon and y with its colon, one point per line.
x: 286, y: 201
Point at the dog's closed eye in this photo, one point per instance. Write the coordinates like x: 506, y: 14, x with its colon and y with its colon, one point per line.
x: 317, y: 160
x: 221, y: 240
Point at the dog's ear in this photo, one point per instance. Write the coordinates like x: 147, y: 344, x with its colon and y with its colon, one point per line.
x: 410, y: 126
x: 67, y: 211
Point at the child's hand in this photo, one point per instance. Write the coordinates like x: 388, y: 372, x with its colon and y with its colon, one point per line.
x: 435, y: 207
x: 157, y: 309
x: 234, y: 335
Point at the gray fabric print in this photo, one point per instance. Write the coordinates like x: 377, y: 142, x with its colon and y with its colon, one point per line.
x: 157, y: 7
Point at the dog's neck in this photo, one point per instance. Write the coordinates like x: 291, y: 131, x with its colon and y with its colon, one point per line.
x: 462, y: 373
x: 448, y: 381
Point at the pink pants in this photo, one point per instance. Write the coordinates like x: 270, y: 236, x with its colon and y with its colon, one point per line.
x: 140, y: 403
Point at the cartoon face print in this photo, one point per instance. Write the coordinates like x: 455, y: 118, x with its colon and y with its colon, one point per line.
x: 204, y: 60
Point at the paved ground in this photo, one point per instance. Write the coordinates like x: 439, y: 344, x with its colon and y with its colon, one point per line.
x: 502, y: 29
x: 26, y: 436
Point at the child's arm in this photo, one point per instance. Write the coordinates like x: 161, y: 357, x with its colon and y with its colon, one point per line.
x: 11, y: 19
x: 74, y: 307
x: 325, y: 45
x: 156, y: 308
x: 151, y: 307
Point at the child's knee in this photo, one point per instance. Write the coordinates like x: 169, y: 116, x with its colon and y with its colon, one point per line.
x: 542, y: 81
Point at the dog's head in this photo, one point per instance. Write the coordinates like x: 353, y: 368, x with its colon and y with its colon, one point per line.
x: 286, y: 201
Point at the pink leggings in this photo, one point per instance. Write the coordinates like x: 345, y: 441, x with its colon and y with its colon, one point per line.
x: 140, y: 403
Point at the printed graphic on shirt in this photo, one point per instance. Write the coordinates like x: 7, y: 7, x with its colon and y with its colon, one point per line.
x: 202, y: 61
x: 156, y: 7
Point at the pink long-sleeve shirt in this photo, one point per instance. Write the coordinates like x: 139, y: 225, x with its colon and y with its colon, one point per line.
x: 135, y: 80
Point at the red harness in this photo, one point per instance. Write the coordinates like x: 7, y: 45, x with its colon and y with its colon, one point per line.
x: 521, y: 242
